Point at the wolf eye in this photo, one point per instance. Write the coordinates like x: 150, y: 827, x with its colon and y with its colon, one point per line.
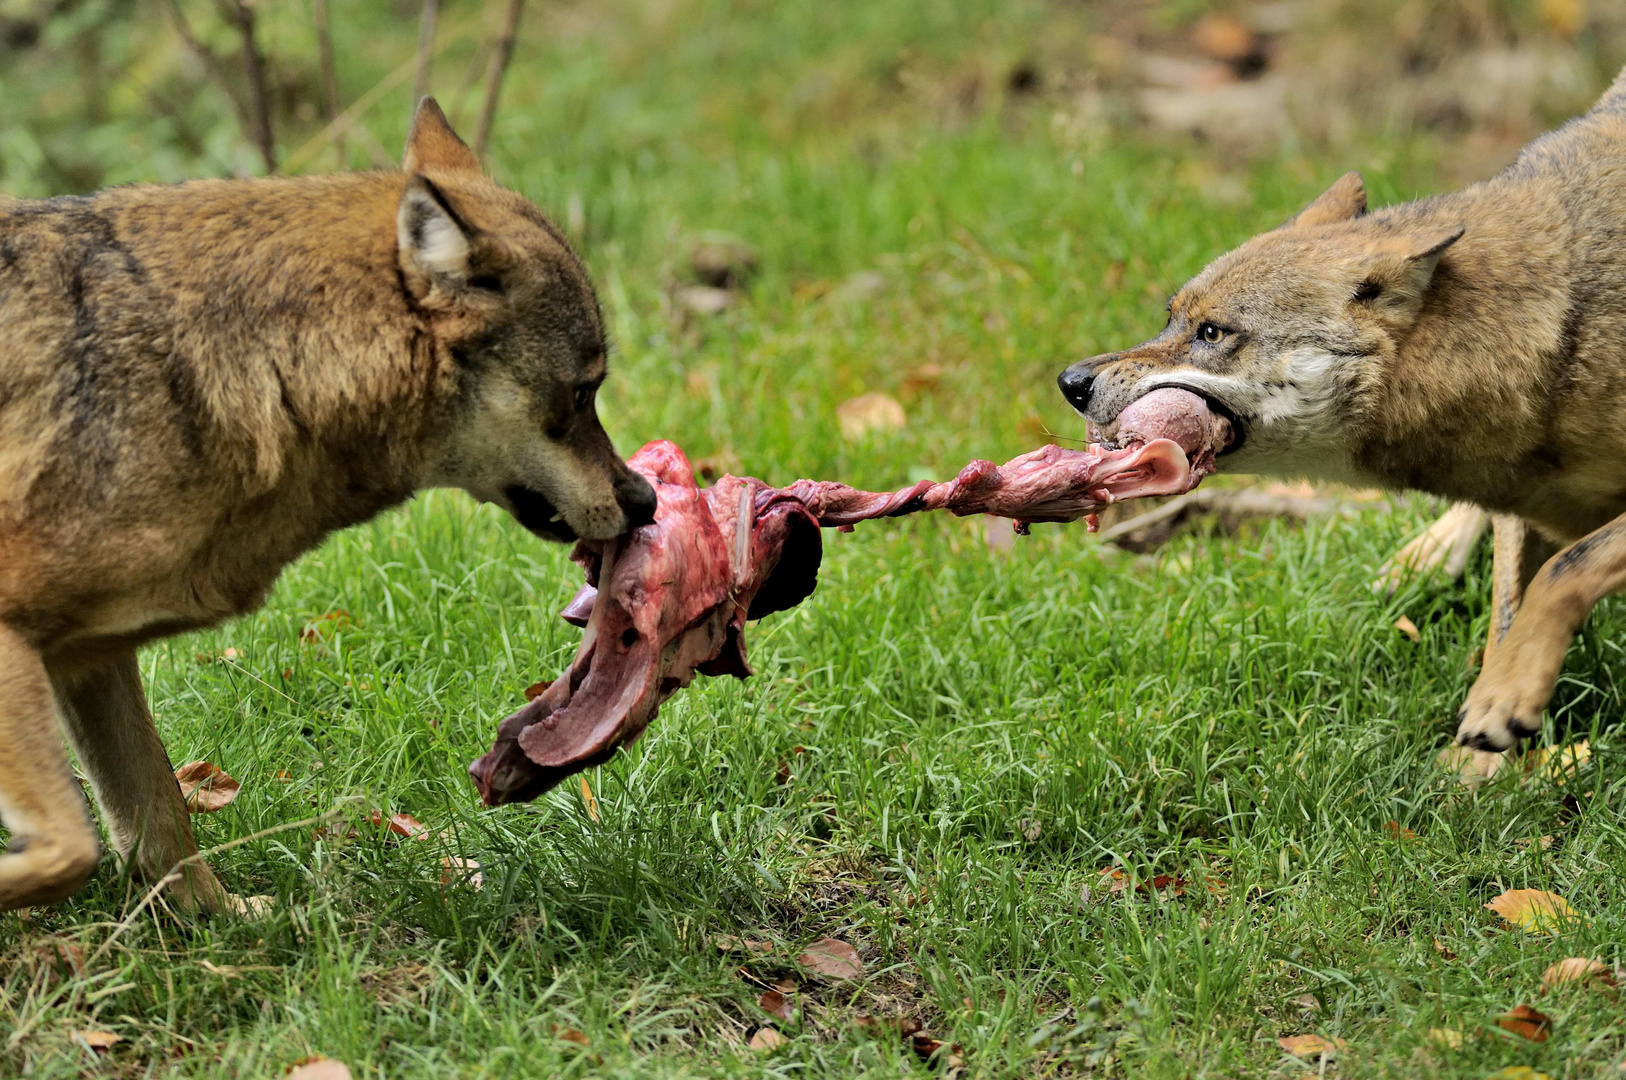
x: 1209, y: 334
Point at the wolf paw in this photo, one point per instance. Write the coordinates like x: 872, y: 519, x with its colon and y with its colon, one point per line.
x: 1497, y: 722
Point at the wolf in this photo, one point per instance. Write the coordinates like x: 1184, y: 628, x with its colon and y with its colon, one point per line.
x: 200, y: 383
x: 1470, y: 345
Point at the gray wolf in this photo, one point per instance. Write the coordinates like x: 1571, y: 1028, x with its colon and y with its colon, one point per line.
x: 1471, y: 345
x: 202, y: 381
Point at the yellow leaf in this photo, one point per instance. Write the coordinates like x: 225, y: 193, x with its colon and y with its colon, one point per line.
x: 869, y: 412
x: 97, y: 1040
x: 1534, y: 910
x: 1447, y: 1037
x: 1409, y: 628
x: 1304, y: 1046
x: 1560, y: 763
x: 588, y: 800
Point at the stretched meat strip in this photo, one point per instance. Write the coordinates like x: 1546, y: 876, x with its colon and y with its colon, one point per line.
x: 672, y: 598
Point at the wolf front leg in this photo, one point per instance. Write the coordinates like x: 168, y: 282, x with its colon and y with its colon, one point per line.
x: 105, y: 713
x: 1448, y: 543
x: 1530, y: 635
x: 53, y: 846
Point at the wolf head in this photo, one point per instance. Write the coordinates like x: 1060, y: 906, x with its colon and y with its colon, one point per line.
x: 1289, y: 337
x: 511, y: 304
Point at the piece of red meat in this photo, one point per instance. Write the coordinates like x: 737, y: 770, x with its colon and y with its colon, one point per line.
x: 672, y: 598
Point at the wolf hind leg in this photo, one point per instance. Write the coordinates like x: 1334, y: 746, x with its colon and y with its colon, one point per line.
x: 53, y: 848
x: 1447, y: 544
x: 107, y: 720
x: 1523, y: 661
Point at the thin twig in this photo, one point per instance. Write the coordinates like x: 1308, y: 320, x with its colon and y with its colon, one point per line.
x: 426, y: 49
x: 499, y: 66
x: 259, y: 96
x: 330, y: 77
x: 212, y: 64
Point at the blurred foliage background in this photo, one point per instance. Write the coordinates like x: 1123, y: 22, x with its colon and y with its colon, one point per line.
x: 105, y: 92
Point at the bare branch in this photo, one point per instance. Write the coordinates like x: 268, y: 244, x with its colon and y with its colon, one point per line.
x: 426, y: 49
x: 259, y: 96
x: 499, y: 65
x: 212, y: 64
x: 330, y: 78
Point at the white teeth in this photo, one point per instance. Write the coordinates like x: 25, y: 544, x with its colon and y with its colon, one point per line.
x: 555, y: 519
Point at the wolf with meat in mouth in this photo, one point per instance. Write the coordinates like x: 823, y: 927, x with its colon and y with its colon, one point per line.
x: 1471, y: 345
x: 202, y: 381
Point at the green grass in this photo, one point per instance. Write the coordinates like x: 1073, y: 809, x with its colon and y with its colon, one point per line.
x: 980, y: 732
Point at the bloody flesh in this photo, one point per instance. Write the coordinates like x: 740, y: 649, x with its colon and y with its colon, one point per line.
x: 672, y: 598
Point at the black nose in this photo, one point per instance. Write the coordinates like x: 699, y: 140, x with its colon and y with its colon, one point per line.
x: 637, y: 500
x: 1075, y: 386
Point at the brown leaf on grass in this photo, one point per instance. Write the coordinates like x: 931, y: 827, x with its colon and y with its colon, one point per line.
x: 1534, y: 910
x: 923, y: 378
x: 728, y: 943
x: 1396, y: 831
x: 785, y: 986
x: 1527, y: 1022
x: 1444, y: 950
x: 455, y: 870
x: 588, y: 800
x: 206, y: 787
x: 571, y: 1035
x: 766, y: 1038
x: 897, y: 1025
x: 59, y: 955
x: 1578, y: 971
x: 399, y: 825
x: 318, y: 1068
x: 1304, y: 1046
x: 1031, y: 830
x: 832, y: 958
x: 1164, y: 886
x: 98, y: 1041
x: 326, y: 627
x: 866, y: 413
x: 537, y: 689
x: 775, y: 1004
x: 929, y: 1049
x: 1409, y: 628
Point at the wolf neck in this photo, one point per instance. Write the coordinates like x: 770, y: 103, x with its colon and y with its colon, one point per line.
x: 1464, y: 409
x: 324, y: 378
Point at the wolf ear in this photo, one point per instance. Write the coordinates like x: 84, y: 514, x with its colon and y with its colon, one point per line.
x: 432, y: 244
x: 1401, y: 273
x: 432, y: 144
x: 1344, y: 201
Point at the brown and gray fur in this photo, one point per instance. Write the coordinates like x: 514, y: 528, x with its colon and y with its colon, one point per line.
x: 202, y: 381
x: 1471, y: 345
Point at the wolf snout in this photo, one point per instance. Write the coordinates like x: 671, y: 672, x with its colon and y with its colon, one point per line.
x: 637, y: 499
x: 1075, y: 384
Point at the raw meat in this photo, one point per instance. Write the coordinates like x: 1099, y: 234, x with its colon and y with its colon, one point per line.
x: 672, y: 598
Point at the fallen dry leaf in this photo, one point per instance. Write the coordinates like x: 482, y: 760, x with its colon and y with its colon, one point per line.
x: 1558, y: 764
x: 588, y: 800
x: 59, y: 954
x: 775, y: 1004
x: 766, y: 1038
x: 1031, y: 830
x: 206, y: 787
x: 1409, y: 628
x: 97, y: 1040
x: 927, y: 1049
x: 399, y: 825
x: 899, y: 1025
x: 730, y: 943
x: 318, y: 1068
x: 832, y: 958
x: 325, y: 627
x: 537, y: 689
x: 1527, y: 1022
x: 571, y: 1035
x: 866, y: 413
x: 1304, y: 1046
x: 1578, y: 971
x: 785, y: 986
x: 1396, y: 831
x: 455, y: 870
x: 1534, y: 910
x: 1447, y: 1037
x: 1444, y: 950
x: 1542, y: 843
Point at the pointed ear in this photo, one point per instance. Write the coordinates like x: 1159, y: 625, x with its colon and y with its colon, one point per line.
x: 1344, y: 201
x: 1400, y: 273
x: 432, y: 244
x: 432, y: 144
